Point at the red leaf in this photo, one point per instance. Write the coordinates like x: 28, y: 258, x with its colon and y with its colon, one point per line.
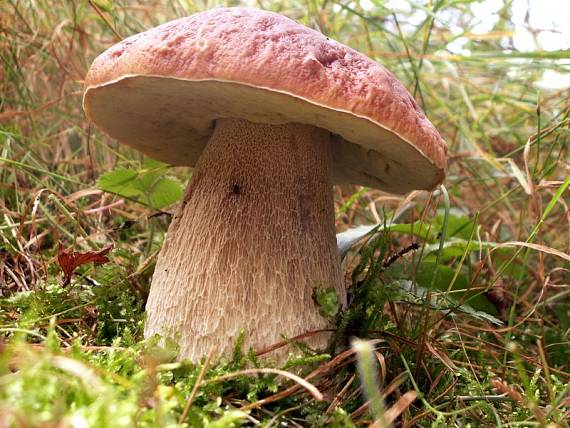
x: 71, y: 260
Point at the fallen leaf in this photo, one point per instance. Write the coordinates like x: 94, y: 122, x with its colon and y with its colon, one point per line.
x: 71, y: 260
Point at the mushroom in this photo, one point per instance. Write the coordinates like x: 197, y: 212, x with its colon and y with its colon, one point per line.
x: 270, y: 114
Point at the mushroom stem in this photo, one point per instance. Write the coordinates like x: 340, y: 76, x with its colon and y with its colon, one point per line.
x: 249, y: 243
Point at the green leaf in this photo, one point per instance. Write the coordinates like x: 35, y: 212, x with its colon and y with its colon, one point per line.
x: 165, y: 191
x: 147, y: 186
x: 459, y: 289
x: 417, y: 229
x: 120, y: 181
x: 442, y: 302
x: 455, y: 247
x: 458, y: 224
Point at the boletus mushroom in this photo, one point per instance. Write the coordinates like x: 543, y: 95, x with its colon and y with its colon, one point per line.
x: 270, y: 114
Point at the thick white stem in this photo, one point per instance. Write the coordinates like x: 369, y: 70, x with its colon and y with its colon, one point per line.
x: 251, y: 240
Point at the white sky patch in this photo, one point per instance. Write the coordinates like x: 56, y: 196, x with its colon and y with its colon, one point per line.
x: 543, y: 25
x: 552, y: 80
x: 550, y: 16
x: 366, y: 4
x: 456, y: 30
x: 457, y: 46
x: 418, y: 17
x: 398, y: 5
x: 538, y: 25
x: 486, y: 16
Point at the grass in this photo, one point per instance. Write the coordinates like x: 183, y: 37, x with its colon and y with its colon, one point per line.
x: 462, y: 307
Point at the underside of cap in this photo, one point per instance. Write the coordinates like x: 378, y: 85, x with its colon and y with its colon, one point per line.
x: 161, y: 92
x: 172, y: 119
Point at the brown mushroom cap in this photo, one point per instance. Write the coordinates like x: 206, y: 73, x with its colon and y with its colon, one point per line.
x: 162, y: 90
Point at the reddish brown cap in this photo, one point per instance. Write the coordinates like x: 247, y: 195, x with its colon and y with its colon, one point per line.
x: 162, y: 90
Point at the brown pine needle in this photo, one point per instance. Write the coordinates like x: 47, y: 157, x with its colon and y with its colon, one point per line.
x: 196, y: 386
